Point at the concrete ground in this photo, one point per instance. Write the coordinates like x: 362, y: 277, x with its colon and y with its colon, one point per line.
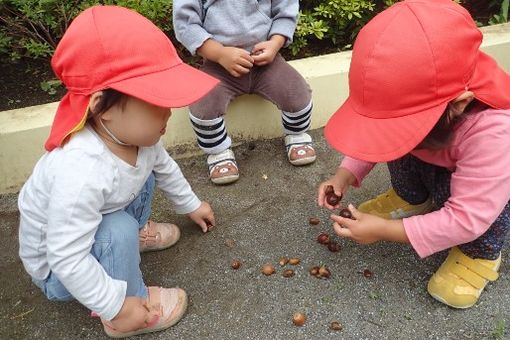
x: 261, y: 219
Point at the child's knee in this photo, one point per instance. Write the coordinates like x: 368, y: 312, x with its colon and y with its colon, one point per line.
x: 119, y: 229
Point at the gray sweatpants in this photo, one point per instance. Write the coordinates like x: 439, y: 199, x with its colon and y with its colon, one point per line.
x: 277, y: 82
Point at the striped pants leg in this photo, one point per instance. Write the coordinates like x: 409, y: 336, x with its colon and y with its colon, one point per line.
x: 295, y: 123
x: 211, y: 134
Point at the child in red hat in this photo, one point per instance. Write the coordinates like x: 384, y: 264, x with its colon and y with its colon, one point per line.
x: 85, y: 209
x: 425, y: 99
x: 240, y: 43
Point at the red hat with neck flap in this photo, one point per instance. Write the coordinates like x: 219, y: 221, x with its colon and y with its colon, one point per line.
x: 114, y: 47
x: 408, y: 62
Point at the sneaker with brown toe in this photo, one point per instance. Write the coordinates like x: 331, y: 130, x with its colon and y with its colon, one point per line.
x: 169, y: 306
x: 300, y: 149
x: 223, y: 167
x: 157, y: 236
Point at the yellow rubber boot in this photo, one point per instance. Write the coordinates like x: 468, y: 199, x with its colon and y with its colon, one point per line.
x: 460, y: 280
x: 390, y: 206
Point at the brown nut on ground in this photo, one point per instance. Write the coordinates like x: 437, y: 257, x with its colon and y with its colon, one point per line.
x: 335, y: 326
x: 324, y: 272
x: 236, y: 264
x: 333, y: 246
x: 298, y: 319
x: 268, y: 269
x: 367, y: 273
x: 314, y: 271
x: 294, y: 261
x: 288, y: 273
x: 283, y: 261
x: 323, y: 238
x: 314, y: 220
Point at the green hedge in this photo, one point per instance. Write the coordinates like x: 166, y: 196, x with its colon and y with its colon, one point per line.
x: 32, y: 28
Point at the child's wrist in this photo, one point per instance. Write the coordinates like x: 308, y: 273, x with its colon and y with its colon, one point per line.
x: 279, y: 40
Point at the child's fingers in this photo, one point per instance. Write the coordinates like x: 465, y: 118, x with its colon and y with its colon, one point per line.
x: 247, y: 57
x: 344, y: 222
x: 341, y: 231
x: 355, y: 212
x: 240, y: 69
x: 245, y: 62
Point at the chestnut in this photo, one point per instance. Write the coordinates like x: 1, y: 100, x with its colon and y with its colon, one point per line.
x: 268, y: 269
x: 288, y: 273
x: 298, y: 319
x: 294, y: 261
x: 367, y: 273
x: 335, y: 326
x: 314, y: 271
x: 331, y: 197
x: 333, y: 246
x: 346, y: 213
x: 324, y: 272
x: 314, y: 220
x: 323, y: 238
x: 236, y: 264
x: 283, y: 261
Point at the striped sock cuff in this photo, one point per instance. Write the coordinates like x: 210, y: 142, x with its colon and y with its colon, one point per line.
x: 211, y: 134
x: 297, y: 122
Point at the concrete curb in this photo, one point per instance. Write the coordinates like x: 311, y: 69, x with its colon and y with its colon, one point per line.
x: 23, y: 131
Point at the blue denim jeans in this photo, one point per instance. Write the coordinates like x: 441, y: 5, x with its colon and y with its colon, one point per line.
x: 116, y: 247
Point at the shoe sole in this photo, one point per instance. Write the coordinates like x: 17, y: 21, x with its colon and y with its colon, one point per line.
x: 438, y: 298
x: 225, y: 180
x: 303, y: 161
x: 177, y: 318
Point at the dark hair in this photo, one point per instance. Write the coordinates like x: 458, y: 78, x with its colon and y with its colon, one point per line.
x: 109, y: 98
x: 441, y: 134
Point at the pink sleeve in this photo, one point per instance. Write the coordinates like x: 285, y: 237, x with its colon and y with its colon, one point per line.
x: 358, y: 168
x: 480, y: 189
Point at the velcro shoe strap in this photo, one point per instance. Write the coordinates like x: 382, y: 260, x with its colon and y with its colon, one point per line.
x: 220, y: 159
x: 478, y: 268
x: 301, y: 139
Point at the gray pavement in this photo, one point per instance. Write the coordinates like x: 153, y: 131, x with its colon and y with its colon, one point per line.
x: 260, y: 220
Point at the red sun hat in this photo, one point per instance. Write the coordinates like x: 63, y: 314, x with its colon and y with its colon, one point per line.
x: 114, y: 47
x: 408, y: 62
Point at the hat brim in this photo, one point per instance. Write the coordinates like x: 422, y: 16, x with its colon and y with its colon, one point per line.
x: 378, y: 140
x: 178, y: 86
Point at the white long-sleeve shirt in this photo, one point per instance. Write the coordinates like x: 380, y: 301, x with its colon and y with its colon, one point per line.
x: 62, y: 203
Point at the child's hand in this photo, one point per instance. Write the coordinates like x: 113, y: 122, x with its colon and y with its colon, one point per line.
x: 340, y: 183
x: 367, y: 228
x: 235, y: 60
x: 203, y: 216
x: 264, y: 52
x: 133, y: 315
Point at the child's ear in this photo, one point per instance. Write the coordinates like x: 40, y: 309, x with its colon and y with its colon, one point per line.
x: 460, y: 103
x: 95, y: 99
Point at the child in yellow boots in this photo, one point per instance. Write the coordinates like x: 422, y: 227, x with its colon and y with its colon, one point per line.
x: 427, y: 101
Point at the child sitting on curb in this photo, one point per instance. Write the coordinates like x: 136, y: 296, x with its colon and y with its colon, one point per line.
x: 240, y: 41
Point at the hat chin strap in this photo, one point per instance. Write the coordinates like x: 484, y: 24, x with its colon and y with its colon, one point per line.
x: 115, y: 139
